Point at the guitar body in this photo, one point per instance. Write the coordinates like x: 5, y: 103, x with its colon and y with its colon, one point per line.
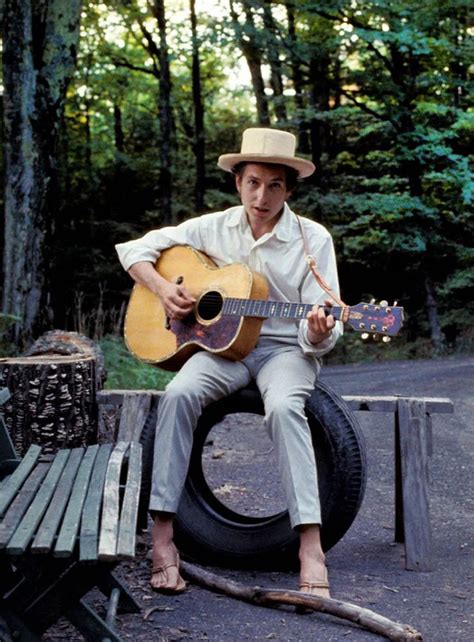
x: 232, y: 337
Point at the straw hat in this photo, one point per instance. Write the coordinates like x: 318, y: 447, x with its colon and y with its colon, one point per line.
x: 260, y: 145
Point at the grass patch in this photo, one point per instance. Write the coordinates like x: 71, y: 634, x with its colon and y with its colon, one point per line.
x: 125, y: 372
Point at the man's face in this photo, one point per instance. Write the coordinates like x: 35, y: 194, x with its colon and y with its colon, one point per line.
x: 263, y: 192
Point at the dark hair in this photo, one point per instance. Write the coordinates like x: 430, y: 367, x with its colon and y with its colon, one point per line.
x: 291, y: 174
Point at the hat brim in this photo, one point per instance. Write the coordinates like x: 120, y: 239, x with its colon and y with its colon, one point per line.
x: 304, y: 167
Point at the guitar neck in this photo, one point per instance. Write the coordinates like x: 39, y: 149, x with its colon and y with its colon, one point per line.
x: 272, y: 309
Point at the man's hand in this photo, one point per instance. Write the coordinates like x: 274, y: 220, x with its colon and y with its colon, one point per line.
x: 319, y: 325
x: 175, y: 299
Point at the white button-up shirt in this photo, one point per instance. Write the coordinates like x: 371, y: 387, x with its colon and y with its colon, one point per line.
x: 226, y: 237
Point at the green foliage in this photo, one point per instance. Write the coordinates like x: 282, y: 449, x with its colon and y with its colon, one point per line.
x: 395, y: 128
x: 125, y: 371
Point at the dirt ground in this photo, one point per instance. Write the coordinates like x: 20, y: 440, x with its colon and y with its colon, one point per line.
x: 365, y: 567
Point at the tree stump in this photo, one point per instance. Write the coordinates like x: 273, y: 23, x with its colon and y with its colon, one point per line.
x: 53, y: 401
x: 66, y: 342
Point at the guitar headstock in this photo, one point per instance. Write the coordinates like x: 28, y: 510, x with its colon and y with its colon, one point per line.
x: 376, y: 319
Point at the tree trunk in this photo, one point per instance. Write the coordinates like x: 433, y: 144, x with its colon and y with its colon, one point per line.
x: 437, y: 336
x: 199, y: 137
x: 88, y: 145
x: 118, y: 130
x: 246, y: 40
x: 319, y: 96
x: 273, y: 47
x: 40, y: 42
x: 166, y: 182
x: 297, y: 77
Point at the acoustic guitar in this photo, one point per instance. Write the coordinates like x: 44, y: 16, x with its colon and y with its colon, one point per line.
x: 231, y: 305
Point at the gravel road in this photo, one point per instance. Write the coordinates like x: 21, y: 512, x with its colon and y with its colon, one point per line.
x: 366, y: 567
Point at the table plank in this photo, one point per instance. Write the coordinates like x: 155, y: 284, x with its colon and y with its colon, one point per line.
x: 10, y: 485
x: 44, y: 539
x: 21, y: 502
x: 89, y: 536
x: 26, y: 528
x: 128, y: 518
x: 134, y: 412
x: 389, y: 403
x: 414, y: 467
x: 70, y: 526
x: 110, y: 509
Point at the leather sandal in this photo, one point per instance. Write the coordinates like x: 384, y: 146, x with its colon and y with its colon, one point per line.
x: 306, y: 587
x: 169, y: 590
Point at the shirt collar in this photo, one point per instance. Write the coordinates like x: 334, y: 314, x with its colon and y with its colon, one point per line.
x: 282, y: 229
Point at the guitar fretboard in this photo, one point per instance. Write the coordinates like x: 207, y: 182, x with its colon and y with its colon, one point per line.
x: 266, y: 309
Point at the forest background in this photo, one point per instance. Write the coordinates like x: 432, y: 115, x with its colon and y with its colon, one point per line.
x: 114, y: 114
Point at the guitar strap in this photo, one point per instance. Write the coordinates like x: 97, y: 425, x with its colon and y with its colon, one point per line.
x: 311, y: 261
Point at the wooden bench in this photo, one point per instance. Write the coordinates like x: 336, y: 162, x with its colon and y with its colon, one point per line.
x: 66, y: 520
x: 122, y: 412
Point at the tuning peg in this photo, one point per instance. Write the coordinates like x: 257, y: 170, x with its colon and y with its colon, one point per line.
x: 383, y: 304
x: 386, y: 339
x: 372, y: 301
x: 364, y: 336
x: 395, y: 303
x: 376, y: 337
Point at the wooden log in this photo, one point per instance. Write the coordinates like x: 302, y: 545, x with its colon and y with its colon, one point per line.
x: 271, y: 597
x: 52, y: 403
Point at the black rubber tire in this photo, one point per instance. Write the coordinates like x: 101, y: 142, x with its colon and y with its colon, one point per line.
x: 209, y: 532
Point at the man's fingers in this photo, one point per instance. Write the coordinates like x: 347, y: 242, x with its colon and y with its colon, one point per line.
x: 319, y: 322
x: 185, y: 296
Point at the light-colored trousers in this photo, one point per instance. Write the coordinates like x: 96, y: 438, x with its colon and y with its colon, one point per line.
x: 285, y: 378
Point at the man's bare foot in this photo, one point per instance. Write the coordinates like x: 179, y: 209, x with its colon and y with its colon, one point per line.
x: 165, y: 576
x: 313, y: 573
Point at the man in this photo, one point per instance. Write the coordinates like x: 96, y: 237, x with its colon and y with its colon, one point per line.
x: 266, y: 235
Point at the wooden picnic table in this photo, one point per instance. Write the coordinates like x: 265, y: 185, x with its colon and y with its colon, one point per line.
x: 66, y: 520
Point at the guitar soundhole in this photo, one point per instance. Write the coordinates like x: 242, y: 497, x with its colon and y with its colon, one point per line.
x: 210, y: 305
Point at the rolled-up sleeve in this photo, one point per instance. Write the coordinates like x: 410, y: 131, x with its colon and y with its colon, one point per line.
x: 150, y: 246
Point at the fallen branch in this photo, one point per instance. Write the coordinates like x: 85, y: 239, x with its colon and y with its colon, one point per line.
x: 276, y: 597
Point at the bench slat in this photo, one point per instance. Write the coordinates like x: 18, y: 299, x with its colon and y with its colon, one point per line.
x: 48, y: 528
x: 110, y: 509
x: 91, y: 513
x: 70, y: 526
x: 21, y: 503
x: 128, y: 520
x: 26, y: 528
x: 10, y: 485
